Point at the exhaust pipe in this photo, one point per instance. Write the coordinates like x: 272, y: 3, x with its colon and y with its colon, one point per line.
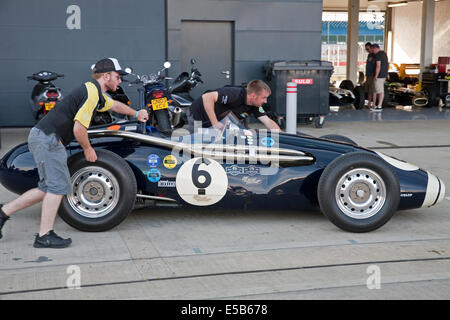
x: 176, y: 116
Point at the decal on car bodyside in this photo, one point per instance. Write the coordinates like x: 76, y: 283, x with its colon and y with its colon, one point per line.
x: 154, y: 175
x: 170, y: 161
x: 153, y: 160
x: 201, y: 182
x: 267, y: 141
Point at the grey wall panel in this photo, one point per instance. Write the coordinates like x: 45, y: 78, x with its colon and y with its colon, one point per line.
x: 249, y: 70
x: 34, y: 36
x: 277, y: 45
x: 264, y: 30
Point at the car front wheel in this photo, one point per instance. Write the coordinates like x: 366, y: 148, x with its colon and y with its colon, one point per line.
x: 358, y: 192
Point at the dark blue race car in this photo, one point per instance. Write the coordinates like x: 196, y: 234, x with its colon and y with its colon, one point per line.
x: 357, y: 189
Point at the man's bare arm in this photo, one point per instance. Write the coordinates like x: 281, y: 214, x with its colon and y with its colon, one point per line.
x: 209, y: 99
x: 269, y: 123
x: 81, y: 134
x: 122, y: 108
x: 377, y: 68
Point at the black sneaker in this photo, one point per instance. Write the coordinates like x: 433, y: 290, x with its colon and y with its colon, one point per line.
x: 377, y: 108
x: 51, y: 240
x: 3, y: 219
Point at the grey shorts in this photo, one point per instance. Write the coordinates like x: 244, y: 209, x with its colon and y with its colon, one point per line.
x: 50, y: 156
x: 379, y: 85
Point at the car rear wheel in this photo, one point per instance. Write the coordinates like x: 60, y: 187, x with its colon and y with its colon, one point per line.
x: 104, y: 192
x: 358, y: 192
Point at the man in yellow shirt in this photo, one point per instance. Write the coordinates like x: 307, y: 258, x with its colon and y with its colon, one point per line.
x: 69, y: 119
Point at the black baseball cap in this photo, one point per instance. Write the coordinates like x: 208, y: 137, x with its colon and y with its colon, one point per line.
x: 107, y: 65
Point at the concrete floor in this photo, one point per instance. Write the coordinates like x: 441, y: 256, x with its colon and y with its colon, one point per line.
x: 184, y: 254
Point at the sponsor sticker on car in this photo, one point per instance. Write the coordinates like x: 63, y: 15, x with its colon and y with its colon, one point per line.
x: 153, y: 160
x: 154, y: 175
x: 170, y: 161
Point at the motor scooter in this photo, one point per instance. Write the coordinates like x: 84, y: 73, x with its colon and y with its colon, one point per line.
x: 45, y: 94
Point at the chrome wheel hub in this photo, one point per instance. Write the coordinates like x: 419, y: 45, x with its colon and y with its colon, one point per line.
x: 95, y: 192
x: 360, y: 193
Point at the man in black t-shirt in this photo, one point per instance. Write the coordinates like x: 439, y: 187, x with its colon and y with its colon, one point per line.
x: 381, y: 71
x: 213, y: 106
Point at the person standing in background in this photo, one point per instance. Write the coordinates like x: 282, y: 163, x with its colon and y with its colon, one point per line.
x: 381, y: 72
x: 370, y: 72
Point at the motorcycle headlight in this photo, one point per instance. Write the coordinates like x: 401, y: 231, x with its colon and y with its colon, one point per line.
x: 153, y: 77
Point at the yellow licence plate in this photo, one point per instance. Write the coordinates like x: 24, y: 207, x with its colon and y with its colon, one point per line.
x: 158, y: 104
x: 49, y: 105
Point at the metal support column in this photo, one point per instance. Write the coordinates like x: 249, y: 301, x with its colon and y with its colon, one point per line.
x: 426, y: 46
x: 352, y: 40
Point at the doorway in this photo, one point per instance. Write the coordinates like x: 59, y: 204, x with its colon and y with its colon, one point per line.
x: 211, y: 44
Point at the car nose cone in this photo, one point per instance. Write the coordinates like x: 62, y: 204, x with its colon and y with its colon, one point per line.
x: 435, y: 191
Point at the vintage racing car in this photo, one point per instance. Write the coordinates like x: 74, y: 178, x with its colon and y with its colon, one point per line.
x: 355, y: 188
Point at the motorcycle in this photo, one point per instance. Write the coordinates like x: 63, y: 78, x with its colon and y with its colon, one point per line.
x: 180, y: 94
x: 45, y: 94
x: 153, y: 97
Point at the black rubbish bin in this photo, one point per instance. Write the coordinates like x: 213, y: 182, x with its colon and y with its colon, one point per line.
x: 313, y: 81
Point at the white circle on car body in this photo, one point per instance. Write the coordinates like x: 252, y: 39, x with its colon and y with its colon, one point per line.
x: 201, y: 182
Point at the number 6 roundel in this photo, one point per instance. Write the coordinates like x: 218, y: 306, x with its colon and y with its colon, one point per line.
x: 201, y: 182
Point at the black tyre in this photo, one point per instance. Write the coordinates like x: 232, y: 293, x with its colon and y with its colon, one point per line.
x: 360, y: 98
x: 318, y: 122
x: 430, y: 94
x: 358, y: 192
x: 163, y: 121
x: 339, y: 138
x: 104, y: 192
x: 419, y: 101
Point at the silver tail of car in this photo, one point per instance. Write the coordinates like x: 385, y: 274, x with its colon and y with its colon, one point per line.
x: 435, y: 191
